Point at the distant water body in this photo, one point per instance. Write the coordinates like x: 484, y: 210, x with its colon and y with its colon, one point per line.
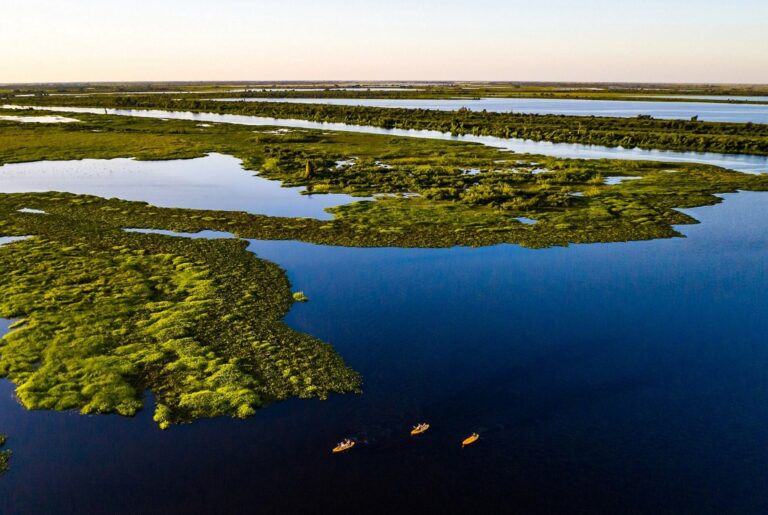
x: 706, y: 111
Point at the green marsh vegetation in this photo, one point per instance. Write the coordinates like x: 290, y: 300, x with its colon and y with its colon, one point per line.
x: 642, y: 132
x: 103, y: 315
x: 432, y: 193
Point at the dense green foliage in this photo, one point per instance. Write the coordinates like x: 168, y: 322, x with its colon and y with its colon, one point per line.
x: 642, y: 132
x: 103, y: 315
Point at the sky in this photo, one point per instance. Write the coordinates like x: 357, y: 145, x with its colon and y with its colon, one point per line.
x: 542, y: 40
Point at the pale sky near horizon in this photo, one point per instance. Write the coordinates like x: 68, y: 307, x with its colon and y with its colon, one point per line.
x: 548, y: 40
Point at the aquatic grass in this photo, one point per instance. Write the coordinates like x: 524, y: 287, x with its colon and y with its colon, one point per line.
x: 5, y: 455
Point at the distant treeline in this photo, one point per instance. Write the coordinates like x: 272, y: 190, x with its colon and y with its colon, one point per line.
x: 642, y: 131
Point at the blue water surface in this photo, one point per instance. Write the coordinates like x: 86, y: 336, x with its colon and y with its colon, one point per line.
x: 607, y: 378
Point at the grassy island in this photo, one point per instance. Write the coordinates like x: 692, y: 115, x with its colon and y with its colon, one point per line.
x: 103, y: 315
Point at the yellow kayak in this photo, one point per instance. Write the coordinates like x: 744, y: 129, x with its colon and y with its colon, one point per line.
x: 344, y: 446
x: 470, y: 440
x: 421, y: 428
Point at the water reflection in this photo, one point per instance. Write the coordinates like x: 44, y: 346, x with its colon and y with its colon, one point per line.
x: 215, y: 182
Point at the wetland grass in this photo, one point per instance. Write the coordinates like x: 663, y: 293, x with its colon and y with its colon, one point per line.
x: 639, y: 132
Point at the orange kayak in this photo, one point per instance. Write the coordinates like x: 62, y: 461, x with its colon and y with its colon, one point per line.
x: 470, y: 440
x: 343, y: 446
x: 421, y: 428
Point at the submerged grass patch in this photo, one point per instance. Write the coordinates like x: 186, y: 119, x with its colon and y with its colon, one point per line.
x: 5, y: 456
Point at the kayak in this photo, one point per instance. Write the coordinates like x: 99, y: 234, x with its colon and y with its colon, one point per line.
x: 343, y: 446
x: 470, y: 440
x: 421, y: 428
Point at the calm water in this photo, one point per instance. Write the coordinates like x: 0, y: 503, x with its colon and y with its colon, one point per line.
x: 740, y: 162
x: 614, y: 378
x: 706, y: 111
x: 214, y: 182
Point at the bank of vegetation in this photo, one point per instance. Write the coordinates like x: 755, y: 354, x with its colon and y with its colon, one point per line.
x: 103, y: 315
x: 639, y: 132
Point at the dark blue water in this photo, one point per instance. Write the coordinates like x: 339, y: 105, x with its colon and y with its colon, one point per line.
x: 617, y: 378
